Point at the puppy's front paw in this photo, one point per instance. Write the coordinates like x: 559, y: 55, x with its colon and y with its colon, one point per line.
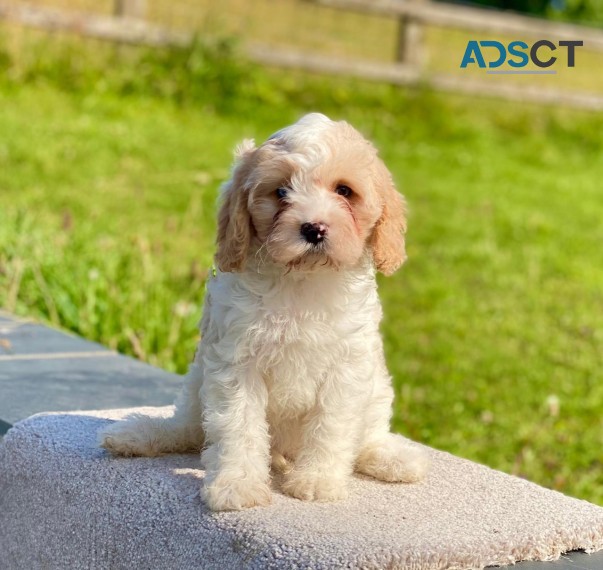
x: 224, y: 494
x: 312, y: 486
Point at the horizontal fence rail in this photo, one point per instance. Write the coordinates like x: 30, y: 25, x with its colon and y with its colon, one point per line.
x: 401, y: 74
x: 111, y: 28
x: 467, y: 18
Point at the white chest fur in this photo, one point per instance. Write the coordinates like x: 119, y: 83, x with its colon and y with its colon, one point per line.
x: 294, y: 327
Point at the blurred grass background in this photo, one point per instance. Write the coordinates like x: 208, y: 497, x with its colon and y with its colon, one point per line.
x: 110, y: 160
x: 333, y: 32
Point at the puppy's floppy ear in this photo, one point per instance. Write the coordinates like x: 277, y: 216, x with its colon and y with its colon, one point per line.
x: 234, y: 222
x: 387, y: 241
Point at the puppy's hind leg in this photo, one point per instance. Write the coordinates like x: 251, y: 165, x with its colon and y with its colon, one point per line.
x: 387, y: 456
x: 392, y: 459
x: 148, y: 436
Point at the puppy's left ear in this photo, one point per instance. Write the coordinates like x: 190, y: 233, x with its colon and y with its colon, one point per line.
x: 234, y: 221
x: 387, y: 241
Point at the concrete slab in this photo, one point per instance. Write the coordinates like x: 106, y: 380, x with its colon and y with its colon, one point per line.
x: 578, y: 560
x: 29, y: 338
x: 43, y: 370
x: 6, y: 316
x: 28, y: 387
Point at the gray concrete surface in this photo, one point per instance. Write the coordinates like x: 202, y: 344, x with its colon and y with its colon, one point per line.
x: 44, y: 370
x: 571, y: 561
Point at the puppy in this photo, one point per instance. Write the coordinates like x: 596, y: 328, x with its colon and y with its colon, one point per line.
x: 290, y: 371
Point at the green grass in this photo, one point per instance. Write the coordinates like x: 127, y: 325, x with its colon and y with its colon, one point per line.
x: 493, y: 329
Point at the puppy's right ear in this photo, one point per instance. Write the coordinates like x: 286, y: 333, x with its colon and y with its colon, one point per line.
x: 234, y: 221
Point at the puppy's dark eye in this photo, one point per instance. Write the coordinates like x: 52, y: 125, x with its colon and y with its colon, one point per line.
x: 281, y: 192
x: 343, y: 190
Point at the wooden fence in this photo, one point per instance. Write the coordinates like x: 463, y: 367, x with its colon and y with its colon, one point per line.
x: 128, y: 25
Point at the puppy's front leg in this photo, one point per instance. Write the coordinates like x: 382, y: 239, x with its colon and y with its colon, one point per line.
x: 237, y: 461
x: 330, y: 439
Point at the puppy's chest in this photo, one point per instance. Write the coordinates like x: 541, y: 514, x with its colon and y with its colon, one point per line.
x: 285, y: 335
x: 295, y: 350
x: 294, y: 353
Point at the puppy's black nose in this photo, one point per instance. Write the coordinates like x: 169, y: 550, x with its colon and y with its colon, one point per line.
x: 314, y: 232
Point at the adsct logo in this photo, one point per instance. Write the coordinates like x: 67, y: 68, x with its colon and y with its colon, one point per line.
x: 492, y: 54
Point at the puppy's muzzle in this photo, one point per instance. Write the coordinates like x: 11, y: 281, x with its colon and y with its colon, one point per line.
x: 314, y: 232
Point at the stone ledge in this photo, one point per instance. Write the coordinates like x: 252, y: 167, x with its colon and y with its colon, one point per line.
x: 42, y: 369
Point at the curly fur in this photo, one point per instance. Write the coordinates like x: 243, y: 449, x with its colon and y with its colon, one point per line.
x: 290, y: 371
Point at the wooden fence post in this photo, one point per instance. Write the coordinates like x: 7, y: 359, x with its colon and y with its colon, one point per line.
x: 410, y: 40
x: 130, y: 8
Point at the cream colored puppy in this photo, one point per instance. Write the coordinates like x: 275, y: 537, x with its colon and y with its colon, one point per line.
x: 290, y: 370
